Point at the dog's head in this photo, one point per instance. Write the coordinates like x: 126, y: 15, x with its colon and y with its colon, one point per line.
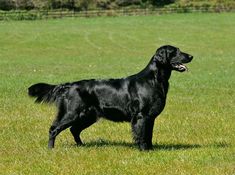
x: 172, y: 58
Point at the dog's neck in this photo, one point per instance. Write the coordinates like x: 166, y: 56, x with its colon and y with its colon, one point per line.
x: 161, y: 72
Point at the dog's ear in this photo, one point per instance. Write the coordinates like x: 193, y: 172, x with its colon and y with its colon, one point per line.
x: 161, y: 56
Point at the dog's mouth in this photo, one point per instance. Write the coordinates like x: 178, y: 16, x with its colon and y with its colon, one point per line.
x: 179, y: 67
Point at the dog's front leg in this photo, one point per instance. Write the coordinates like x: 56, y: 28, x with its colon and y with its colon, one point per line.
x: 142, y: 128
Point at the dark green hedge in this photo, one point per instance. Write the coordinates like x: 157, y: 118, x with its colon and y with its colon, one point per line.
x: 107, y: 4
x: 77, y: 4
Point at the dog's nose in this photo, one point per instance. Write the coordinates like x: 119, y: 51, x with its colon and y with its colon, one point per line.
x: 190, y: 57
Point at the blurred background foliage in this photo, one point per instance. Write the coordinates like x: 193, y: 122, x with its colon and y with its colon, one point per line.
x: 106, y: 4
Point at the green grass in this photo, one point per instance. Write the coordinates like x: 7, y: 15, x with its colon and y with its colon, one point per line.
x: 195, y: 134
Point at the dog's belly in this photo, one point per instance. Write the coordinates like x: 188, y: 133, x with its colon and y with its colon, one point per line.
x: 115, y: 114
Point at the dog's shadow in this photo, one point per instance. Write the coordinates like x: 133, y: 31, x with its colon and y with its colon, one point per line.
x: 169, y: 147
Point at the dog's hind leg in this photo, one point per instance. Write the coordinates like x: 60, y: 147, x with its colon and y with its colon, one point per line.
x: 86, y: 119
x: 59, y: 125
x: 142, y: 128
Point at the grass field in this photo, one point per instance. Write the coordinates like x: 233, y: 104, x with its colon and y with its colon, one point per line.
x: 195, y: 134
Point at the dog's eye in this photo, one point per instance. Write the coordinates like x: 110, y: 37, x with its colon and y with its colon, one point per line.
x: 161, y: 53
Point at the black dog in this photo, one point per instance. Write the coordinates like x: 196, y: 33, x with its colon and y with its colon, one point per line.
x: 138, y: 99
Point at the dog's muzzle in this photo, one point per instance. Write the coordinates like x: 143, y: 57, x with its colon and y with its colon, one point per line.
x: 179, y: 67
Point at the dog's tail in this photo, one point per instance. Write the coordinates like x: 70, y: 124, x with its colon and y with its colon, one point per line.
x: 43, y: 92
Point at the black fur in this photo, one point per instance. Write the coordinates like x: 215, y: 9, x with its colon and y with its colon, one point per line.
x: 138, y: 99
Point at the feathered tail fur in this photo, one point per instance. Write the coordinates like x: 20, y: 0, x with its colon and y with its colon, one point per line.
x: 43, y: 92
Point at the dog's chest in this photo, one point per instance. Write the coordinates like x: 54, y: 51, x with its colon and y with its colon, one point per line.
x: 154, y: 102
x: 157, y: 107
